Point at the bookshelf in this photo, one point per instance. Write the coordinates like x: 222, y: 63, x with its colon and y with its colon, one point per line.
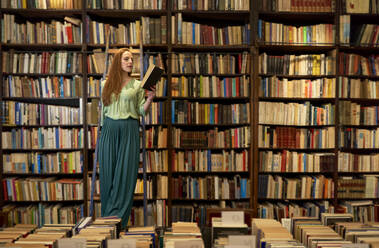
x: 357, y: 67
x: 257, y: 71
x: 297, y: 82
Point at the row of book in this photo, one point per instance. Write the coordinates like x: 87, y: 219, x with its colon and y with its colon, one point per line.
x: 96, y: 62
x: 358, y: 188
x: 157, y: 161
x: 297, y: 114
x: 211, y: 188
x: 41, y: 214
x: 359, y: 138
x: 361, y: 35
x: 42, y: 62
x: 304, y: 64
x: 156, y: 137
x: 365, y: 234
x: 214, y: 138
x: 361, y: 6
x: 43, y: 138
x: 43, y: 163
x: 304, y: 187
x: 209, y: 161
x: 43, y: 87
x: 363, y: 211
x: 225, y: 5
x: 153, y: 183
x: 302, y: 88
x: 100, y: 32
x: 42, y: 189
x: 320, y: 34
x: 203, y: 86
x: 366, y: 35
x: 18, y: 113
x: 191, y: 33
x: 42, y: 4
x: 300, y: 138
x: 198, y: 212
x: 349, y: 162
x: 158, y: 112
x: 355, y: 64
x: 358, y: 88
x: 280, y: 210
x: 298, y: 6
x: 67, y: 31
x: 298, y: 162
x: 210, y: 63
x: 127, y: 5
x: 156, y: 214
x: 147, y: 30
x: 352, y: 113
x: 187, y: 112
x: 292, y: 161
x: 157, y: 187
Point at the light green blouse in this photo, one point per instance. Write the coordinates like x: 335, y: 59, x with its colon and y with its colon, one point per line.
x: 129, y: 104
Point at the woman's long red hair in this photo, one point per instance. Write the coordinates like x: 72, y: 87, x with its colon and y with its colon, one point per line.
x: 114, y: 80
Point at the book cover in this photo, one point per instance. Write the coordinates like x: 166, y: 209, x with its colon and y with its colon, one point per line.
x: 152, y: 76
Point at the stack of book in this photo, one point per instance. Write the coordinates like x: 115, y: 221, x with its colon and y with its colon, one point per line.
x: 312, y: 233
x: 96, y: 236
x: 112, y: 222
x: 11, y: 234
x: 222, y: 229
x: 96, y: 232
x: 67, y: 229
x: 329, y: 219
x: 183, y: 233
x: 372, y: 241
x: 144, y: 236
x: 270, y: 233
x: 358, y: 232
x: 45, y: 239
x: 242, y: 241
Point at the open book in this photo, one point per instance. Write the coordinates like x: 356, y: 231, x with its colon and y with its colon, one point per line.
x: 152, y: 76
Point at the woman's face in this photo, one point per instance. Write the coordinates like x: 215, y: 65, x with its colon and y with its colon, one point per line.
x: 127, y: 62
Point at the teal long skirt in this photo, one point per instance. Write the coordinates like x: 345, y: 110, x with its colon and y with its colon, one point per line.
x: 118, y: 162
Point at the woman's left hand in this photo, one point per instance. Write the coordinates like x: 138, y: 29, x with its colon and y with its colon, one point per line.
x: 151, y: 94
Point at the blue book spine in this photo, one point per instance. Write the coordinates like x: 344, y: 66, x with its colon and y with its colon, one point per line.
x: 17, y: 113
x: 260, y: 23
x: 173, y: 112
x: 10, y: 86
x: 9, y: 189
x: 39, y: 163
x: 57, y: 138
x: 193, y: 32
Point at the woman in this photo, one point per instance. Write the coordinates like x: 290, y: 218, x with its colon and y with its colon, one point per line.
x: 123, y: 102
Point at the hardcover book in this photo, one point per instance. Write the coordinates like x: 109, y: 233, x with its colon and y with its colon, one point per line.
x: 152, y: 76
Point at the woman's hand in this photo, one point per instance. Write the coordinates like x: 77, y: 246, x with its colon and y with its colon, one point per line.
x: 151, y: 94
